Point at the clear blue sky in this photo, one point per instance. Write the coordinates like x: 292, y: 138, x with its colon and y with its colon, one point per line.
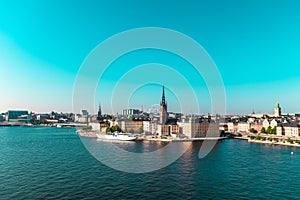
x: 254, y: 43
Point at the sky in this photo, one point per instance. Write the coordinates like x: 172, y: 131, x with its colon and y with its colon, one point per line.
x: 254, y: 44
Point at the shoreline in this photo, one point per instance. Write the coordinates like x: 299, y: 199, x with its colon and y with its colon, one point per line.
x: 93, y: 134
x: 280, y: 143
x: 274, y: 143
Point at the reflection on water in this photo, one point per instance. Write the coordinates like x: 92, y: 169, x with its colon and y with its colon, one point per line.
x: 50, y: 163
x: 139, y: 158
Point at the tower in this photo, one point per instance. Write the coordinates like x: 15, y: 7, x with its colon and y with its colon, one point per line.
x: 163, y: 115
x: 99, y: 116
x: 277, y: 110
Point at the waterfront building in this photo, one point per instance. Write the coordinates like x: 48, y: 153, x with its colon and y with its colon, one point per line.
x: 128, y: 125
x: 266, y: 123
x: 256, y: 125
x: 279, y: 130
x: 167, y: 130
x: 13, y: 115
x: 42, y: 117
x: 2, y: 118
x: 230, y: 127
x: 197, y: 128
x: 95, y: 126
x: 288, y: 129
x: 82, y: 119
x: 274, y: 123
x: 291, y: 130
x: 24, y: 118
x: 243, y: 127
x: 150, y: 126
x: 277, y: 110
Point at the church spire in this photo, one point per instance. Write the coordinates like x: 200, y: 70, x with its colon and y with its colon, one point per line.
x: 163, y: 100
x: 99, y: 109
x: 99, y: 117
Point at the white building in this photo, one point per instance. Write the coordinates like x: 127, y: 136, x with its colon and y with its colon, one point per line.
x: 273, y: 123
x: 243, y: 127
x: 150, y: 126
x: 230, y: 127
x: 95, y: 126
x: 266, y: 123
x: 288, y: 130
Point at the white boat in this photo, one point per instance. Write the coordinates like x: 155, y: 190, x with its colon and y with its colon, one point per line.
x: 116, y: 136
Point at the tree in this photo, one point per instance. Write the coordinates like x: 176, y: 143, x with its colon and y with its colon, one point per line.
x: 116, y: 128
x: 86, y: 128
x: 252, y: 130
x: 112, y: 129
x: 274, y: 130
x: 108, y: 130
x: 131, y: 131
x: 263, y: 130
x: 269, y: 130
x: 140, y: 130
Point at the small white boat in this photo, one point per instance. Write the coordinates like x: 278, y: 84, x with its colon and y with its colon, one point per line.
x: 116, y: 136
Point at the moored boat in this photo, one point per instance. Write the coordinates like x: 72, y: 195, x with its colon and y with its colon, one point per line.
x: 116, y: 136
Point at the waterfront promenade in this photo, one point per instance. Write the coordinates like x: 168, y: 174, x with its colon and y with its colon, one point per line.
x: 270, y: 140
x: 93, y: 134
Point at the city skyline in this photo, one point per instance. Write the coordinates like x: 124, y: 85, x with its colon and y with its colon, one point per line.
x: 43, y: 46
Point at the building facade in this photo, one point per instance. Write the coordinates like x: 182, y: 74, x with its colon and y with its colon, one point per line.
x: 130, y: 112
x: 13, y: 115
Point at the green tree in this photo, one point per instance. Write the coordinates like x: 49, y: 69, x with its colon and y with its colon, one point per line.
x: 116, y: 128
x: 274, y: 130
x: 112, y: 129
x: 108, y: 130
x: 252, y: 130
x: 131, y: 131
x: 269, y: 130
x: 140, y: 130
x: 263, y: 130
x: 86, y: 128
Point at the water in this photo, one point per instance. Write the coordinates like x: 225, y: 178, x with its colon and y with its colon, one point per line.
x: 51, y: 163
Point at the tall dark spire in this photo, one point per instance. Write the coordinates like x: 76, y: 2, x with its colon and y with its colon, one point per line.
x: 99, y: 117
x: 99, y: 109
x: 163, y: 100
x: 163, y: 108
